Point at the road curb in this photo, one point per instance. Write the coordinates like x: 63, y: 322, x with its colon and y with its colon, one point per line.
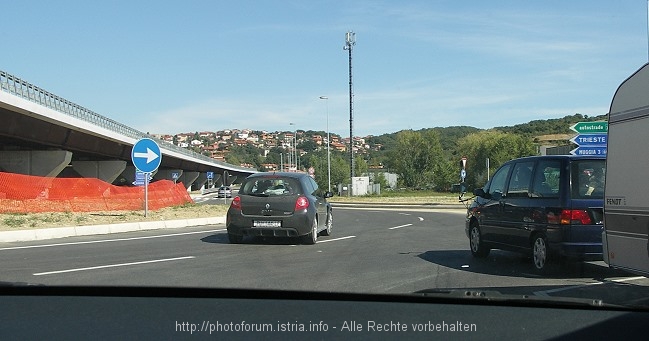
x: 73, y: 231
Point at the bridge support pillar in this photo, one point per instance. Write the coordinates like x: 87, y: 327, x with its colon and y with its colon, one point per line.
x: 169, y: 174
x: 188, y: 178
x: 231, y: 179
x: 217, y: 181
x: 47, y: 163
x: 103, y: 170
x: 202, y: 182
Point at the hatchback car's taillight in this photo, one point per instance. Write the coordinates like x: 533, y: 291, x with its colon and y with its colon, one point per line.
x: 575, y: 217
x: 236, y: 203
x: 301, y: 203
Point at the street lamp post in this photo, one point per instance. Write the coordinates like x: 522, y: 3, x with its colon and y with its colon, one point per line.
x: 294, y: 152
x: 280, y: 148
x: 328, y: 150
x: 350, y: 41
x: 287, y: 164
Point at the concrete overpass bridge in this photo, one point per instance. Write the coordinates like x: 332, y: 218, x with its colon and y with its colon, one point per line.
x: 45, y: 135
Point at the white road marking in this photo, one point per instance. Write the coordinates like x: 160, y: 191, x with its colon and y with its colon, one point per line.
x: 421, y: 218
x: 112, y: 266
x: 398, y: 227
x: 628, y: 279
x: 335, y: 239
x: 108, y: 240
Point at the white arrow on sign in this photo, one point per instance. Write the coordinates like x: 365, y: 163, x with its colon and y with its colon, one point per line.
x: 150, y: 155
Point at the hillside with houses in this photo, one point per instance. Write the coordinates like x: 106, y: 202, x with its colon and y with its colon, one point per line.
x: 268, y: 151
x: 220, y: 145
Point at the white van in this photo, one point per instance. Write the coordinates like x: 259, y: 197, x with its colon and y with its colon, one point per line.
x: 626, y: 206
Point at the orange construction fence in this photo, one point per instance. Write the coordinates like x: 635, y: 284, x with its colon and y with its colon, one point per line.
x: 30, y: 194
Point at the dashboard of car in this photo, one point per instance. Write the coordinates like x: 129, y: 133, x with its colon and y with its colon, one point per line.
x: 163, y: 313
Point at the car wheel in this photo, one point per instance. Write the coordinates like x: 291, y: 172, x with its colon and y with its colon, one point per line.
x: 235, y: 239
x: 478, y: 249
x: 330, y: 217
x: 312, y: 237
x: 540, y: 253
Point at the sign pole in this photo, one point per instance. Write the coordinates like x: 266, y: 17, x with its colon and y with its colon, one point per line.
x: 146, y: 194
x: 146, y: 157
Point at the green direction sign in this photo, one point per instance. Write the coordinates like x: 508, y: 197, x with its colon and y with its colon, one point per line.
x: 590, y: 127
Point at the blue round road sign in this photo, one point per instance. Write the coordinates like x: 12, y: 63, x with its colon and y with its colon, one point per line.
x: 146, y: 155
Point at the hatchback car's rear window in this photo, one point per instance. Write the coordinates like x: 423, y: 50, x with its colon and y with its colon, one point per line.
x: 270, y: 187
x: 588, y: 179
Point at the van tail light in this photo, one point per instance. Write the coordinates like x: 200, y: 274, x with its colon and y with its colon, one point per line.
x: 575, y: 217
x: 236, y: 203
x: 301, y: 203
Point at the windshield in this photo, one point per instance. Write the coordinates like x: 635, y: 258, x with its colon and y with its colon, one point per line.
x: 147, y: 144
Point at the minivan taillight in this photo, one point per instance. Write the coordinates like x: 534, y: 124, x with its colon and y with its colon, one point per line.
x: 575, y: 217
x: 236, y: 203
x: 301, y: 203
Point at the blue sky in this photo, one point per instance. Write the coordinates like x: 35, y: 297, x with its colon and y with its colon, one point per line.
x: 185, y: 66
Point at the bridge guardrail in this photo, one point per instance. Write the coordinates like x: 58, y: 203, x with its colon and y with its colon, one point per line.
x: 18, y: 87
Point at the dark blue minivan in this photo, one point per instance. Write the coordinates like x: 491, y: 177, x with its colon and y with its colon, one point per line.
x: 549, y: 207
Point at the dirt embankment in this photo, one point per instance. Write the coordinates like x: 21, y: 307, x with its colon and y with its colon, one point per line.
x: 10, y: 222
x: 16, y: 221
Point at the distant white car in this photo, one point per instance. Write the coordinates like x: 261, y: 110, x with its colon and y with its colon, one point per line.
x: 225, y: 192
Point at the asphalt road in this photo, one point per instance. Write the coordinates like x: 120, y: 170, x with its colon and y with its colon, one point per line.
x: 370, y: 250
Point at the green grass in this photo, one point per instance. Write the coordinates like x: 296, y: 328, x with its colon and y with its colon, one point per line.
x: 15, y: 221
x: 21, y: 219
x: 411, y: 194
x: 185, y: 205
x: 402, y: 196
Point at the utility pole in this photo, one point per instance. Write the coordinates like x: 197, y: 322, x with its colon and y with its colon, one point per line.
x: 350, y: 41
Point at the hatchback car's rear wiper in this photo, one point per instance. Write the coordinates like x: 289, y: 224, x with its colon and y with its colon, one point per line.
x: 258, y: 194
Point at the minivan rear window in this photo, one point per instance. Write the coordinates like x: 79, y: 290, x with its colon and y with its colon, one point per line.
x: 546, y: 179
x: 588, y: 179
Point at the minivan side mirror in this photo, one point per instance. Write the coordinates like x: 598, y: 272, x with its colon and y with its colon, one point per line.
x: 328, y: 194
x: 480, y: 193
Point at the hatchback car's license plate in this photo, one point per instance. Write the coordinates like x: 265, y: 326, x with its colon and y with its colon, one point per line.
x: 266, y: 223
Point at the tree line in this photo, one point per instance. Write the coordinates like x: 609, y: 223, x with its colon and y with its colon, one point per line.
x: 428, y: 158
